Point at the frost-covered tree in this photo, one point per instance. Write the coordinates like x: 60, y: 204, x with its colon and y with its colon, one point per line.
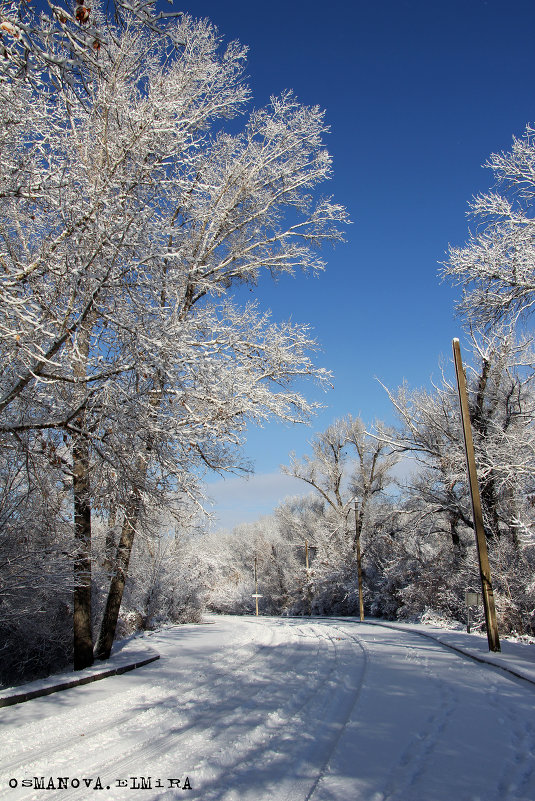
x: 36, y: 550
x: 127, y: 212
x: 496, y: 266
x: 349, y: 470
x: 232, y: 558
x: 328, y: 585
x: 168, y: 576
x: 29, y: 33
x: 502, y: 414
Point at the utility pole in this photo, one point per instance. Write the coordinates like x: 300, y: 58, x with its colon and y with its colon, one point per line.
x: 481, y: 542
x: 359, y: 562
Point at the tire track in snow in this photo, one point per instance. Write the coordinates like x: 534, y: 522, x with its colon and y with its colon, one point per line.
x: 276, y: 738
x: 59, y: 730
x: 216, y: 742
x: 341, y: 725
x: 151, y: 749
x: 274, y: 732
x: 288, y: 747
x: 288, y: 711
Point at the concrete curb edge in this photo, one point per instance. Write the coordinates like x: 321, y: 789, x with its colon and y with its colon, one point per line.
x: 28, y: 695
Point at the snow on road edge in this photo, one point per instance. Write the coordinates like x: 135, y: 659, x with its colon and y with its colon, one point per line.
x: 514, y: 657
x: 128, y: 658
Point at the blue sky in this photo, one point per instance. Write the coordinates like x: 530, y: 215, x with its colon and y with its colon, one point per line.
x: 417, y: 94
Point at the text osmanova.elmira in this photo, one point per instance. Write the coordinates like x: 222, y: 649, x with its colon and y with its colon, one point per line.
x: 97, y: 783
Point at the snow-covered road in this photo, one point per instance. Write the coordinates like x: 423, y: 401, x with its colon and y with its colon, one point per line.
x: 280, y: 710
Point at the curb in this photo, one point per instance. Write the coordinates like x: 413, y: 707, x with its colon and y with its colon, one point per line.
x: 27, y: 695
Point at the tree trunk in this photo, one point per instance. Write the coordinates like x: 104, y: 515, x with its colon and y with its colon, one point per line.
x: 82, y: 633
x: 124, y: 549
x: 118, y: 581
x: 490, y: 504
x: 110, y: 547
x: 456, y: 541
x: 83, y: 638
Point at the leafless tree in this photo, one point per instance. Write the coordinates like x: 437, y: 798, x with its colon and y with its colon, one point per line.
x: 348, y: 467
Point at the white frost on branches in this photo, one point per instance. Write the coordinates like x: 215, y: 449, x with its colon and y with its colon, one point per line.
x: 496, y: 267
x: 128, y: 210
x: 125, y: 217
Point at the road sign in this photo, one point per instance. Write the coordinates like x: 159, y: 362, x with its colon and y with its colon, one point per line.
x: 473, y: 598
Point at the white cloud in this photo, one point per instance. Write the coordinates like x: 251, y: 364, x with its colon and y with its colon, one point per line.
x: 243, y: 499
x: 406, y: 469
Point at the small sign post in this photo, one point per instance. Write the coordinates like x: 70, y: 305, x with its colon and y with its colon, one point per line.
x: 310, y: 553
x: 481, y: 542
x: 256, y: 596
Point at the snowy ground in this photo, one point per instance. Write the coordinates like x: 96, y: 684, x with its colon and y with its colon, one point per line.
x: 281, y: 710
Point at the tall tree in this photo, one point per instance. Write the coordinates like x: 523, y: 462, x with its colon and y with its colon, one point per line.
x: 126, y: 216
x: 349, y: 468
